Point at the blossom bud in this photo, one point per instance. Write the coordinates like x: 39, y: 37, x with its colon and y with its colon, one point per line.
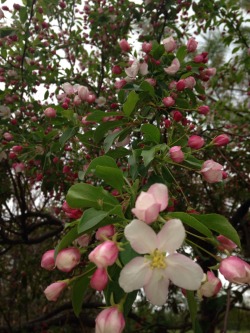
x: 53, y: 291
x: 120, y: 84
x: 8, y: 136
x: 106, y: 231
x: 110, y: 320
x: 168, y: 101
x: 181, y: 85
x: 83, y: 93
x: 146, y: 47
x: 151, y: 81
x: 99, y: 279
x: 124, y: 45
x: 221, y: 140
x: 169, y: 44
x: 195, y: 142
x: 198, y: 58
x: 71, y: 212
x: 211, y: 286
x: 212, y: 171
x: 50, y: 113
x: 190, y: 82
x: 67, y: 259
x: 18, y: 167
x: 17, y: 149
x: 173, y: 68
x: 167, y: 123
x: 104, y: 254
x: 176, y: 154
x: 116, y: 70
x: 203, y: 109
x: 68, y: 88
x: 192, y: 45
x: 48, y: 260
x: 83, y: 240
x: 235, y: 270
x: 177, y: 116
x: 225, y: 244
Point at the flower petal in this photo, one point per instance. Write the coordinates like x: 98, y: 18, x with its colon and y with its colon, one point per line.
x: 171, y: 236
x: 135, y: 274
x: 141, y: 236
x: 183, y: 272
x: 156, y: 289
x: 160, y: 193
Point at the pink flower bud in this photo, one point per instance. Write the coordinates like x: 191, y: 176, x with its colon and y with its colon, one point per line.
x: 167, y: 123
x: 177, y: 115
x: 68, y: 88
x: 190, y: 82
x: 18, y: 167
x: 168, y: 101
x: 235, y: 270
x: 203, y: 109
x: 110, y: 320
x: 181, y: 85
x: 212, y: 171
x: 146, y: 47
x: 192, y: 45
x: 17, y: 149
x: 8, y: 136
x: 176, y: 154
x: 105, y: 232
x: 225, y: 244
x: 83, y: 93
x: 221, y: 140
x: 53, y: 291
x: 173, y: 68
x: 48, y: 260
x: 211, y: 286
x: 169, y: 44
x: 151, y: 81
x: 71, y: 212
x: 67, y: 259
x: 124, y: 45
x: 83, y: 240
x: 50, y: 113
x: 120, y: 84
x: 104, y: 254
x: 195, y: 142
x: 172, y: 85
x: 91, y: 98
x: 198, y: 58
x: 210, y: 71
x: 99, y: 279
x: 150, y: 203
x: 116, y: 70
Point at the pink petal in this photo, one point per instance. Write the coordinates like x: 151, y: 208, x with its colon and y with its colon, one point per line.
x: 171, y: 236
x: 160, y: 194
x: 141, y: 236
x: 156, y: 289
x: 135, y: 274
x: 183, y: 272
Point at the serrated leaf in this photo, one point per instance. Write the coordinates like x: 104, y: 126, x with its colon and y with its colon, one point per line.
x: 151, y: 133
x: 131, y: 101
x: 219, y: 224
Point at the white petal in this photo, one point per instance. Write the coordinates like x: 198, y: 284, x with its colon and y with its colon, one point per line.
x: 171, y: 236
x: 156, y: 289
x: 135, y: 274
x: 183, y: 272
x: 160, y: 193
x: 141, y: 236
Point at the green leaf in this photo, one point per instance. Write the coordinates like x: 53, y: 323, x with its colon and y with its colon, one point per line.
x: 145, y: 86
x: 219, y: 224
x: 67, y: 239
x: 119, y: 152
x: 98, y: 115
x: 192, y: 305
x: 85, y: 195
x: 193, y: 162
x: 23, y: 14
x: 101, y: 160
x: 90, y: 218
x: 181, y: 53
x: 129, y: 105
x: 183, y: 103
x: 151, y: 133
x: 127, y: 254
x: 192, y: 221
x: 79, y: 288
x: 111, y: 176
x: 69, y: 133
x: 148, y: 156
x: 102, y: 129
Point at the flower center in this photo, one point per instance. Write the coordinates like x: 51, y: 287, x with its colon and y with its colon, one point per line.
x: 158, y: 259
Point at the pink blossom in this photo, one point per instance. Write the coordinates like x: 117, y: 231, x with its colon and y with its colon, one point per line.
x: 180, y: 85
x: 104, y: 254
x: 160, y: 263
x: 225, y: 244
x: 210, y: 71
x: 149, y: 204
x: 151, y: 81
x: 211, y: 286
x: 48, y: 260
x: 146, y: 47
x: 105, y: 232
x: 18, y: 167
x: 173, y: 68
x: 176, y: 154
x: 83, y: 93
x: 190, y: 82
x: 50, y: 113
x: 8, y: 136
x: 168, y: 101
x: 17, y: 149
x: 71, y: 212
x: 124, y: 45
x: 67, y: 259
x: 68, y: 88
x: 116, y: 70
x: 169, y: 44
x: 235, y: 270
x: 53, y: 291
x: 110, y: 320
x: 120, y: 84
x: 84, y: 240
x: 192, y: 45
x: 221, y: 140
x: 203, y: 109
x: 212, y: 171
x: 195, y: 142
x: 99, y: 279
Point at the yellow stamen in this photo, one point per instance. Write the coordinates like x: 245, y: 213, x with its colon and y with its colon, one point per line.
x: 158, y: 259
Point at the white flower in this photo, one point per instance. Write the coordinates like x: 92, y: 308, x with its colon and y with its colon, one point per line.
x: 160, y: 264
